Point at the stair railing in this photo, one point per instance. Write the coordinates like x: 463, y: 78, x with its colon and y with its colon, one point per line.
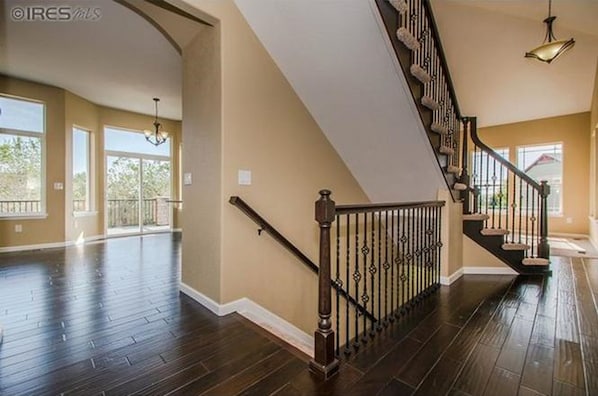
x: 513, y: 203
x: 288, y: 245
x: 387, y: 256
x: 522, y: 207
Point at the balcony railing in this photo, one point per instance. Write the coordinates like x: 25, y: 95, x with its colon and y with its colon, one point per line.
x: 125, y: 212
x: 121, y: 212
x: 20, y: 207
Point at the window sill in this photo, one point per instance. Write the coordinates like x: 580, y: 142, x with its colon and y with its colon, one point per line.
x: 24, y: 216
x: 85, y: 214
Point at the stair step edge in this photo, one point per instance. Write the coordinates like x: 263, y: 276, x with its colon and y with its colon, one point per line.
x: 494, y: 231
x: 515, y: 246
x: 476, y: 217
x: 535, y: 261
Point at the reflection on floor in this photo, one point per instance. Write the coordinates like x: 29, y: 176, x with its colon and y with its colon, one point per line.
x: 572, y: 247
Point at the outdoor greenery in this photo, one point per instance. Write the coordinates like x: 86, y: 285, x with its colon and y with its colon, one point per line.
x: 20, y: 168
x: 123, y: 178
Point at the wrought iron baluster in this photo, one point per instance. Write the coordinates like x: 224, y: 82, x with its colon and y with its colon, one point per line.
x: 386, y: 266
x: 339, y: 283
x: 493, y: 201
x: 520, y: 206
x: 364, y: 297
x: 533, y: 224
x: 347, y: 281
x: 372, y: 270
x: 356, y: 279
x: 393, y: 242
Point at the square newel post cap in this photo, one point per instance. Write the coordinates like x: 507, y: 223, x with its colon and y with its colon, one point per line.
x: 325, y: 208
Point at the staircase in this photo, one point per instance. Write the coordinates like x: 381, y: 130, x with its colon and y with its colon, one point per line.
x: 504, y: 210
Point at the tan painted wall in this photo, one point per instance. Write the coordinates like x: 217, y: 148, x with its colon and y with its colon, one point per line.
x: 83, y: 114
x: 202, y: 158
x: 452, y: 230
x: 63, y: 111
x: 266, y: 129
x: 594, y: 163
x: 573, y: 132
x: 50, y: 229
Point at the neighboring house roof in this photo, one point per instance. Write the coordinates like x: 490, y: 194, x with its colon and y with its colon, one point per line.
x: 546, y: 167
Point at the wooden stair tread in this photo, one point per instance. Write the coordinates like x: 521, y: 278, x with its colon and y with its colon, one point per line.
x: 535, y: 261
x: 475, y: 217
x: 515, y: 246
x: 494, y: 231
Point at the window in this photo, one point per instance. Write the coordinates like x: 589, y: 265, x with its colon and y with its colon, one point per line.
x: 545, y: 162
x: 490, y: 178
x: 22, y: 127
x: 81, y: 170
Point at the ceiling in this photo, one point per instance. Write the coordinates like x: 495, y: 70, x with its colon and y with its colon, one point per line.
x: 485, y: 43
x: 119, y: 60
x: 122, y: 61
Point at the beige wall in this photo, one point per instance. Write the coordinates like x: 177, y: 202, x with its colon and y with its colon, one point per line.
x: 573, y: 132
x: 51, y: 228
x: 63, y: 111
x: 266, y: 129
x: 594, y: 163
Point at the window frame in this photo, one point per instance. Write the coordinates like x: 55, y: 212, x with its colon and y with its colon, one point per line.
x: 42, y: 213
x: 90, y: 193
x: 560, y: 212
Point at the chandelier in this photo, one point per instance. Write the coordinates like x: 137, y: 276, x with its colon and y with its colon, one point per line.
x: 551, y: 48
x: 157, y: 136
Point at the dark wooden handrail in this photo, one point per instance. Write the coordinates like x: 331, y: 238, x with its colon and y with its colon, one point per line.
x: 366, y: 208
x: 442, y: 56
x: 506, y: 163
x: 278, y: 237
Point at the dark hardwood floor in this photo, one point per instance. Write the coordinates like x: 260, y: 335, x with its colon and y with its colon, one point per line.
x: 107, y: 318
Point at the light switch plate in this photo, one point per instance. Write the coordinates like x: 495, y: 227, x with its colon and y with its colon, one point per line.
x: 244, y: 177
x: 58, y: 186
x: 187, y: 179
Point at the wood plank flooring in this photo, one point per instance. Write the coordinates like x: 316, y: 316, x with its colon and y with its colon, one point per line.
x: 107, y: 319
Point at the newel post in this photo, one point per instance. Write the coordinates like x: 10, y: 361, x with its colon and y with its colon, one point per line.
x: 324, y: 363
x: 465, y: 172
x: 543, y: 246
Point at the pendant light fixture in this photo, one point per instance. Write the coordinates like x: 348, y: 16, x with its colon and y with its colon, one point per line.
x: 158, y: 135
x: 551, y: 48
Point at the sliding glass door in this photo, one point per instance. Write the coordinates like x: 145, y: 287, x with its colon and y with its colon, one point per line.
x: 155, y: 194
x: 123, y: 183
x: 138, y: 184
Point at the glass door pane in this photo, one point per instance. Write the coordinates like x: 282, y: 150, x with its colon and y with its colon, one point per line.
x: 122, y: 194
x: 155, y: 192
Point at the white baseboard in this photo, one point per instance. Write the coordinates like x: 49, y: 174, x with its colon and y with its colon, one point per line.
x: 51, y: 245
x: 568, y: 235
x: 258, y: 315
x: 448, y: 280
x: 39, y: 246
x: 489, y: 271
